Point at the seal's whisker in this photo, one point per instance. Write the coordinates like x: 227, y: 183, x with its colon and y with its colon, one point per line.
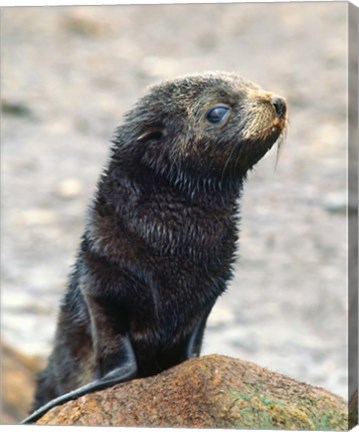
x: 280, y: 143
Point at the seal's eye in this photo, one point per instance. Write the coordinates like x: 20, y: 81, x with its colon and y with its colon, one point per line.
x: 217, y: 114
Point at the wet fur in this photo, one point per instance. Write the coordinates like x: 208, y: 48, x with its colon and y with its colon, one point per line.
x: 160, y: 239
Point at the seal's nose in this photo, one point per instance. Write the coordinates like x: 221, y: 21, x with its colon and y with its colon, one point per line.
x: 280, y: 106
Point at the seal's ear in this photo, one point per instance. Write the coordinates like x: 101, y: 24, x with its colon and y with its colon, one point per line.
x: 152, y: 133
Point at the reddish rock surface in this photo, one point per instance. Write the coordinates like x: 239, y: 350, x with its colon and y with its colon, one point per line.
x: 212, y: 392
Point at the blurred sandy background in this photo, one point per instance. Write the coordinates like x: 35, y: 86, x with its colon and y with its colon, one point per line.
x: 69, y: 74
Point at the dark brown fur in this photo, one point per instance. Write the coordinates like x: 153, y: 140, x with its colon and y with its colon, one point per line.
x: 161, y: 234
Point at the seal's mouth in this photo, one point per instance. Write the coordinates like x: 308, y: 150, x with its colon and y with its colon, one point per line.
x: 265, y: 119
x: 269, y: 136
x: 276, y: 131
x: 256, y: 142
x: 279, y: 131
x: 276, y: 137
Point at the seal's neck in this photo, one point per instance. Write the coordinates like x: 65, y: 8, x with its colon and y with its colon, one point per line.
x: 195, y: 185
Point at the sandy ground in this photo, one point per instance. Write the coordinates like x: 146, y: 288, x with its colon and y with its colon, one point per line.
x: 69, y: 74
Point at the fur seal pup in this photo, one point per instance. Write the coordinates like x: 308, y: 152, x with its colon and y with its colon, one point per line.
x: 160, y: 239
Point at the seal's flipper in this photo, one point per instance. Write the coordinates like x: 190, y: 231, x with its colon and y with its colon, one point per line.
x: 194, y: 342
x: 126, y: 370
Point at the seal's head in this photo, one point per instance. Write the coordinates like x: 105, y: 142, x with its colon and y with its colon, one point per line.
x: 215, y: 125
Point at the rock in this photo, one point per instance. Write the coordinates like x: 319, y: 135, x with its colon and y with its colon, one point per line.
x: 208, y: 392
x: 17, y: 384
x: 16, y: 108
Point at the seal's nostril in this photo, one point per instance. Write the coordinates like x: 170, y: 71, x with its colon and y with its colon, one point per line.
x: 279, y: 106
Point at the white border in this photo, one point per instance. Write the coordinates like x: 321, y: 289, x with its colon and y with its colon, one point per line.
x: 17, y: 3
